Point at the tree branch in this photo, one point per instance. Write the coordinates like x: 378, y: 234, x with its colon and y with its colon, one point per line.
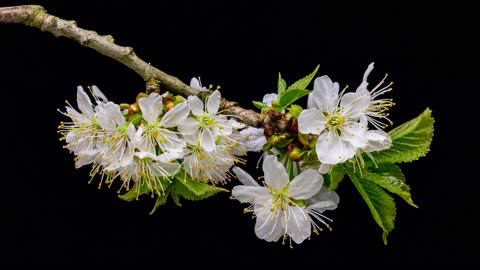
x: 37, y: 16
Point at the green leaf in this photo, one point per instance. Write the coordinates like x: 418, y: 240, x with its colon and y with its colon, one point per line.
x: 410, y: 141
x: 390, y: 177
x: 335, y: 176
x: 282, y: 85
x: 290, y: 96
x: 295, y: 110
x: 304, y: 82
x: 382, y: 205
x: 192, y: 190
x: 258, y: 104
x: 161, y: 200
x: 138, y: 189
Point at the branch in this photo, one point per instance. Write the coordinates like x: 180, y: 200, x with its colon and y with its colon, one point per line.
x: 37, y: 16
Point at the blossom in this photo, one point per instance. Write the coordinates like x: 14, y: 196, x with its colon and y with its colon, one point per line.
x: 283, y: 207
x: 149, y: 170
x: 84, y: 131
x: 207, y: 124
x: 336, y: 119
x: 156, y: 128
x: 377, y: 111
x: 209, y: 166
x: 248, y: 138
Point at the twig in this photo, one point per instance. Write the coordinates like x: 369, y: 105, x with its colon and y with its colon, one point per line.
x: 37, y: 16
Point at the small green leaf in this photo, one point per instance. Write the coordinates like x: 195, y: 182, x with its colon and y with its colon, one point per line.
x: 161, y: 200
x: 176, y: 198
x: 282, y: 85
x: 382, y: 205
x: 290, y: 96
x: 295, y: 110
x: 335, y: 176
x: 304, y: 82
x: 391, y: 178
x: 258, y: 104
x: 410, y: 141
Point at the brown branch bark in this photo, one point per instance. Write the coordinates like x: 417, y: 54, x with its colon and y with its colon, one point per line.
x: 37, y: 16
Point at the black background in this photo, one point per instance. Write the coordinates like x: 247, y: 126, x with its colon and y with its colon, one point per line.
x: 54, y: 218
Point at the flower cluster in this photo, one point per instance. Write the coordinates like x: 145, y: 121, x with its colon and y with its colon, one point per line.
x: 152, y: 140
x: 169, y: 145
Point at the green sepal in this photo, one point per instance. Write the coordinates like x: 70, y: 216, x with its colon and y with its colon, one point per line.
x: 258, y: 104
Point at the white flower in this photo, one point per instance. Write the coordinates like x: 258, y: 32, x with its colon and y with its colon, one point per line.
x: 284, y: 207
x: 253, y: 139
x: 249, y: 139
x: 336, y: 119
x: 83, y: 132
x: 156, y: 129
x: 206, y: 125
x: 151, y: 170
x: 378, y: 108
x: 197, y: 84
x: 209, y: 166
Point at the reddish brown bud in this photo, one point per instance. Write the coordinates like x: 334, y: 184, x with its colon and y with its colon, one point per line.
x: 294, y: 151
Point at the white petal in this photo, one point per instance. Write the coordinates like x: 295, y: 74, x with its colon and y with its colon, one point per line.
x: 196, y: 105
x: 254, y: 139
x: 367, y: 72
x: 323, y: 200
x: 377, y: 140
x: 311, y: 121
x: 96, y: 92
x: 84, y: 102
x: 188, y: 127
x: 195, y: 83
x: 222, y: 128
x: 235, y: 124
x: 353, y: 105
x: 131, y: 131
x: 332, y: 150
x: 213, y: 102
x: 168, y: 157
x: 305, y: 185
x: 298, y: 224
x: 151, y: 107
x: 176, y: 115
x: 268, y: 98
x: 248, y: 194
x: 268, y: 225
x: 168, y: 168
x: 324, y: 168
x: 275, y: 174
x: 355, y: 134
x: 207, y: 141
x: 168, y: 140
x: 143, y: 155
x: 244, y: 177
x: 324, y: 95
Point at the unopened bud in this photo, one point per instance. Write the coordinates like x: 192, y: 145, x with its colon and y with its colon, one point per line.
x: 294, y: 151
x: 133, y: 109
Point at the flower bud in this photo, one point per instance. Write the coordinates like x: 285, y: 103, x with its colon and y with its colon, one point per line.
x: 294, y: 151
